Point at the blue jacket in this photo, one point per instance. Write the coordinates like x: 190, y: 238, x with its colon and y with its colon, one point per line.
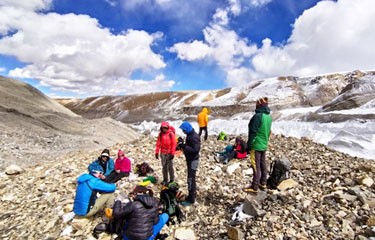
x: 95, y: 166
x: 87, y: 187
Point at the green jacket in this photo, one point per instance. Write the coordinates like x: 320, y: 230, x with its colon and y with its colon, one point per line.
x: 259, y: 129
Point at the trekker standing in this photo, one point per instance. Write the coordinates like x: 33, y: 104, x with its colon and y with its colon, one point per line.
x: 203, y: 122
x: 191, y: 150
x: 166, y: 146
x: 86, y: 202
x: 122, y: 168
x: 257, y: 144
x: 104, y: 165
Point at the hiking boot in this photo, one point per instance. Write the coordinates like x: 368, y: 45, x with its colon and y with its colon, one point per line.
x: 262, y: 187
x: 186, y: 203
x: 250, y: 190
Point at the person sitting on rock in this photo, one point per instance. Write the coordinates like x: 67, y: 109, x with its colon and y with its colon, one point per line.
x: 238, y: 151
x: 141, y: 214
x: 104, y: 165
x: 122, y: 168
x: 86, y: 202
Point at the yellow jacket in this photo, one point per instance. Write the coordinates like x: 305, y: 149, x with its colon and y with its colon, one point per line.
x: 203, y: 118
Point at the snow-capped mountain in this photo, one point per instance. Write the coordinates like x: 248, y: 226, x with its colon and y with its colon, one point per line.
x: 334, y: 109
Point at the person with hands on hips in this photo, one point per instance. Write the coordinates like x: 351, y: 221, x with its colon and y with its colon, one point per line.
x: 165, y: 149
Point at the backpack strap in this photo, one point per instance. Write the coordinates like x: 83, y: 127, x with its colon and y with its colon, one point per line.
x: 271, y: 166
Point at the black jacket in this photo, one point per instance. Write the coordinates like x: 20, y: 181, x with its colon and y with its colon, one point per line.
x: 141, y: 215
x: 192, y: 146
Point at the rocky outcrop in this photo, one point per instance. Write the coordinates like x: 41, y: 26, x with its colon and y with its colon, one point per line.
x: 334, y: 197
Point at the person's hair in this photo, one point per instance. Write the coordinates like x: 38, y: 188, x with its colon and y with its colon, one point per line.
x: 142, y: 190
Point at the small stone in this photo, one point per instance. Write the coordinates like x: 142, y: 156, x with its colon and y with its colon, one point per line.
x: 235, y: 233
x: 13, y: 170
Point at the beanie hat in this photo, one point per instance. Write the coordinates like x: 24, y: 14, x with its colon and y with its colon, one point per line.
x: 105, y: 153
x: 262, y: 102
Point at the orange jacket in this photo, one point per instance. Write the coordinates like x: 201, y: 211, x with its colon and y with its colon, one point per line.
x: 203, y: 118
x: 166, y: 142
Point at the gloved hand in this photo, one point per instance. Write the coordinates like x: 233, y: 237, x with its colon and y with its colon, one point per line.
x: 157, y: 155
x: 181, y: 146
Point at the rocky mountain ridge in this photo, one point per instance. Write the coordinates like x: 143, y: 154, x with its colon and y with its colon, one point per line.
x: 346, y: 91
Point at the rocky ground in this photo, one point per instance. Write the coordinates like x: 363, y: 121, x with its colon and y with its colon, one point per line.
x: 334, y: 197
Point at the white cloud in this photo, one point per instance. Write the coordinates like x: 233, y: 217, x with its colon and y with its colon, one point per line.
x: 330, y: 37
x: 27, y: 5
x: 73, y: 52
x: 3, y: 69
x: 195, y: 50
x: 221, y: 44
x: 112, y: 3
x: 258, y: 3
x: 240, y: 76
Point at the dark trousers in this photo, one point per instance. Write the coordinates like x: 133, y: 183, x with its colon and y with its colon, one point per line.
x: 192, y: 167
x: 201, y: 129
x: 114, y: 176
x: 258, y: 163
x: 167, y: 165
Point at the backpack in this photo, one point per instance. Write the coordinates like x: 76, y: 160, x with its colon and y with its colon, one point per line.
x: 169, y: 201
x: 279, y: 171
x: 143, y: 169
x: 222, y: 136
x: 115, y: 225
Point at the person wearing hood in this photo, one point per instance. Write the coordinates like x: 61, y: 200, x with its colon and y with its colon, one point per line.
x: 86, y: 202
x: 104, y: 165
x: 202, y: 119
x: 122, y: 168
x: 191, y: 150
x: 141, y: 215
x: 165, y: 149
x: 257, y: 144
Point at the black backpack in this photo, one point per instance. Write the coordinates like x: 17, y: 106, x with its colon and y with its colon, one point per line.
x: 115, y: 225
x: 169, y: 202
x: 279, y: 171
x: 143, y: 169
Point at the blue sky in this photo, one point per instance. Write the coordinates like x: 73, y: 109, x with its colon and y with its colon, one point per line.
x: 80, y: 48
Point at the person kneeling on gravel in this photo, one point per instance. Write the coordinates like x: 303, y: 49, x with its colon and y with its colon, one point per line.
x: 86, y: 202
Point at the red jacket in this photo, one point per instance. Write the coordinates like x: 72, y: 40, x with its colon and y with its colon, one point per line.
x: 166, y: 142
x: 240, y: 148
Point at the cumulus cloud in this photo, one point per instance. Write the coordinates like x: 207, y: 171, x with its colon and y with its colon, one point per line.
x: 329, y: 37
x: 221, y: 44
x: 74, y: 53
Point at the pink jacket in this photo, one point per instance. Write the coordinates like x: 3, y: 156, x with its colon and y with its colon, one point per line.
x: 122, y: 163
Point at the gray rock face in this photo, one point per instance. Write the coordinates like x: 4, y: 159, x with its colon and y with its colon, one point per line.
x: 36, y: 204
x: 34, y: 128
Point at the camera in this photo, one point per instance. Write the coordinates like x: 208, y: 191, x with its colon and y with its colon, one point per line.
x: 180, y: 144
